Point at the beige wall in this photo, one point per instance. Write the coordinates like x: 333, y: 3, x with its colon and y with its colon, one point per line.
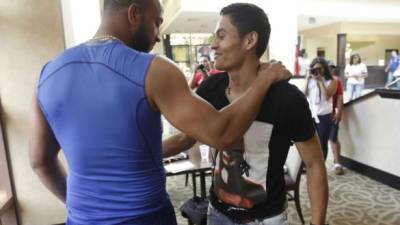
x: 369, y: 133
x: 328, y: 43
x: 376, y: 51
x: 383, y: 35
x: 31, y: 34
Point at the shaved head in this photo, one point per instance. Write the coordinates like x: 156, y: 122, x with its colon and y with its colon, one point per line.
x: 116, y: 5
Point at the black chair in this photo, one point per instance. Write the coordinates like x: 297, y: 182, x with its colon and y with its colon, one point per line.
x: 295, y: 168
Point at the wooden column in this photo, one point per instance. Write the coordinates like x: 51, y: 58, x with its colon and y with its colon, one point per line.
x: 341, y: 54
x: 167, y: 45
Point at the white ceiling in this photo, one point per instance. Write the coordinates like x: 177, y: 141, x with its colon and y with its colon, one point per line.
x: 324, y: 11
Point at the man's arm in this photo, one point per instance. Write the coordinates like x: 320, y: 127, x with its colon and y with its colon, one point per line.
x: 176, y: 144
x: 338, y: 115
x: 311, y: 153
x: 168, y: 92
x: 193, y: 81
x: 43, y: 154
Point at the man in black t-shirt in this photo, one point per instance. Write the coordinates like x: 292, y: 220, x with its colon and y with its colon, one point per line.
x: 248, y: 183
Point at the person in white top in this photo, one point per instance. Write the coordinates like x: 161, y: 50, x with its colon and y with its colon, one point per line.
x: 304, y: 63
x: 319, y: 89
x: 356, y: 72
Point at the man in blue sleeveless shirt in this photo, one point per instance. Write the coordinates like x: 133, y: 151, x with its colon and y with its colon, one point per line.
x: 101, y: 102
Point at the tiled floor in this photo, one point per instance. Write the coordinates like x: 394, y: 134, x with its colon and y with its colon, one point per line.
x: 354, y: 200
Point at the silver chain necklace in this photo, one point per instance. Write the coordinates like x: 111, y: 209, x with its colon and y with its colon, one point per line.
x: 104, y: 38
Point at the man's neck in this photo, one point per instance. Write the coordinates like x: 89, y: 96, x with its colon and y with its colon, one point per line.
x: 109, y: 28
x: 242, y: 77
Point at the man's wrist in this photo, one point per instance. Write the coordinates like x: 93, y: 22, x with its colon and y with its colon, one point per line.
x: 321, y: 224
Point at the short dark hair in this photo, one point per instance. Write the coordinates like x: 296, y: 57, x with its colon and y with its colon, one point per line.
x: 248, y: 17
x: 352, y: 57
x: 115, y: 5
x: 327, y: 73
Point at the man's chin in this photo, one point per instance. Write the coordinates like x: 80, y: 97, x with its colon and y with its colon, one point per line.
x: 220, y: 67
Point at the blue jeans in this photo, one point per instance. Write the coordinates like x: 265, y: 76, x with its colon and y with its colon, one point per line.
x: 323, y: 129
x: 389, y: 78
x: 214, y: 217
x: 354, y: 90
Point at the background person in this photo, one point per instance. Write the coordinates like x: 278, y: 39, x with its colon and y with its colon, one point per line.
x: 337, y: 105
x: 203, y: 71
x: 304, y: 62
x: 319, y: 88
x: 392, y: 66
x: 355, y: 72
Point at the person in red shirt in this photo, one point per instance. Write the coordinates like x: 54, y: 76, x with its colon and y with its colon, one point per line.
x: 337, y: 102
x: 203, y: 71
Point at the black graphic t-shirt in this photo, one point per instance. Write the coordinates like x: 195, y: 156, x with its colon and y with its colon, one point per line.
x: 248, y: 181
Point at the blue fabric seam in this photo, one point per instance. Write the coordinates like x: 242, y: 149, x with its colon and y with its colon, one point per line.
x: 141, y: 133
x: 83, y: 62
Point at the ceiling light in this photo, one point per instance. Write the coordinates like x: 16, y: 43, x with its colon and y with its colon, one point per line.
x: 312, y: 20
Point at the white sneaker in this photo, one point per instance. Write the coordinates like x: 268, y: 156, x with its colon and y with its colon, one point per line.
x: 338, y: 168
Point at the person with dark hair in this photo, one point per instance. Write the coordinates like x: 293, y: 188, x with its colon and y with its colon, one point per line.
x: 392, y: 66
x: 337, y: 105
x: 203, y: 71
x: 356, y: 72
x: 101, y: 102
x: 248, y: 178
x: 304, y: 63
x: 319, y: 89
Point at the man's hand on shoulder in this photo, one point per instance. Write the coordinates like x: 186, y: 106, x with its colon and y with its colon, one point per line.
x: 275, y: 71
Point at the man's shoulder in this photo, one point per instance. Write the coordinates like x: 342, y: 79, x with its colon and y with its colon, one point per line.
x: 285, y: 89
x: 215, y: 81
x: 283, y: 96
x: 210, y: 87
x: 66, y: 57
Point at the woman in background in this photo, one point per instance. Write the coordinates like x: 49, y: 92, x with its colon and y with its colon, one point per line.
x: 319, y: 89
x: 356, y: 72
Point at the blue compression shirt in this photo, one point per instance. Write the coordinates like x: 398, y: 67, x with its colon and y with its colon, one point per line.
x: 94, y: 99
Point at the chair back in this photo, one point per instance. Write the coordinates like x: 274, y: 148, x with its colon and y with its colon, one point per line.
x: 293, y: 163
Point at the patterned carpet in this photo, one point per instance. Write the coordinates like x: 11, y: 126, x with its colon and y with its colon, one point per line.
x: 353, y: 200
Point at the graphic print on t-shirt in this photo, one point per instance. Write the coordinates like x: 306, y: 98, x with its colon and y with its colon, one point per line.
x: 240, y: 172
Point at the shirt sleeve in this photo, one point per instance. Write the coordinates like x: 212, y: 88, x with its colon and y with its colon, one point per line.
x: 300, y: 123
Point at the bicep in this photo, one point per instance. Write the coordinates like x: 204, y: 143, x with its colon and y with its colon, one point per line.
x: 180, y: 106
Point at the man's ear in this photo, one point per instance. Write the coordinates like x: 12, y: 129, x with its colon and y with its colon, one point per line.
x: 134, y: 14
x: 250, y: 40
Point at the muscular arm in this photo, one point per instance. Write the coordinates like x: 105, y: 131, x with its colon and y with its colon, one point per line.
x: 311, y: 153
x: 168, y: 92
x: 43, y: 154
x: 176, y: 144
